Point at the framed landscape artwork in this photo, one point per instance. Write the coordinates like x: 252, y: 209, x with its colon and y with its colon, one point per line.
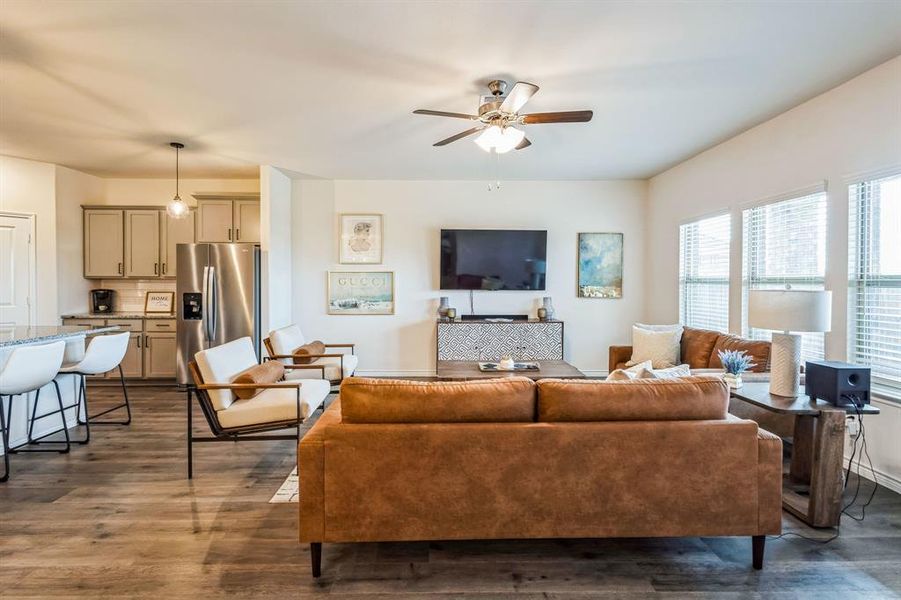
x: 600, y: 265
x: 361, y: 240
x: 361, y: 292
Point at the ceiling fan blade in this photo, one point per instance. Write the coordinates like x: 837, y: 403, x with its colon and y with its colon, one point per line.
x: 461, y: 135
x: 573, y: 116
x: 441, y: 113
x: 518, y: 97
x: 525, y: 143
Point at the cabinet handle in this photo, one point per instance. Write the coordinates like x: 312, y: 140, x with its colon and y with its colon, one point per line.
x: 120, y: 269
x: 237, y: 234
x: 229, y: 234
x: 164, y: 268
x: 146, y: 341
x: 156, y: 268
x: 139, y: 340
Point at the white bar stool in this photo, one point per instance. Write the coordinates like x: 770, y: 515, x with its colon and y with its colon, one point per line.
x: 28, y: 369
x: 104, y: 353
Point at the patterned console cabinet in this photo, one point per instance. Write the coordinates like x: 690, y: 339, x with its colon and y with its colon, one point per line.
x: 487, y: 340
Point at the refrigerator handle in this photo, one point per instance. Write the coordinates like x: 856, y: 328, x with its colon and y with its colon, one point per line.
x: 214, y: 303
x: 205, y: 316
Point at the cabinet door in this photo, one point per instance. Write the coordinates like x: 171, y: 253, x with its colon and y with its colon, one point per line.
x: 103, y: 243
x: 142, y: 243
x: 172, y: 233
x: 159, y: 355
x: 214, y: 221
x: 133, y: 362
x: 247, y: 221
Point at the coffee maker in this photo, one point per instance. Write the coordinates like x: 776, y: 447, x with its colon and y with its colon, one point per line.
x: 102, y: 301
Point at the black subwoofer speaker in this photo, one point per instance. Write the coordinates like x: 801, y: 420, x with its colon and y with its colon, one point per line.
x: 838, y: 383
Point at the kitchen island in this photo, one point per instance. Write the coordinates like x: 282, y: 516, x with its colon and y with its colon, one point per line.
x: 75, y: 338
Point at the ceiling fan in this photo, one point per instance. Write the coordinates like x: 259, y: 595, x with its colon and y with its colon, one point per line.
x: 499, y: 112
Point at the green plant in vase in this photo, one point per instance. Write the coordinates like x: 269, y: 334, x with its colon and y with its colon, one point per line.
x: 735, y: 362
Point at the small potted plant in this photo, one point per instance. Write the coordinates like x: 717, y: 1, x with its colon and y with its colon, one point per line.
x: 735, y: 362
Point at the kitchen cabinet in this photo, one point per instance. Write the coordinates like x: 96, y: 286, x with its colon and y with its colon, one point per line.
x: 221, y: 219
x: 133, y: 362
x: 247, y: 221
x: 151, y: 345
x: 104, y: 243
x: 142, y: 243
x: 159, y: 355
x: 172, y: 233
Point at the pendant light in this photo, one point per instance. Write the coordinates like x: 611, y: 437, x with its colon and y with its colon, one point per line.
x: 177, y: 209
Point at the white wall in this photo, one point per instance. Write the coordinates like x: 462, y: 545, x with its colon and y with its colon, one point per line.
x: 849, y: 130
x: 275, y: 247
x: 415, y: 211
x: 73, y: 188
x: 160, y: 191
x: 29, y: 187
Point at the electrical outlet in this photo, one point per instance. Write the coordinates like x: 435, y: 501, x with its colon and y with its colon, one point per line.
x: 853, y: 426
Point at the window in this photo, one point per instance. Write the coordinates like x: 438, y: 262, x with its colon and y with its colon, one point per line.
x: 874, y: 302
x: 704, y: 273
x: 785, y: 245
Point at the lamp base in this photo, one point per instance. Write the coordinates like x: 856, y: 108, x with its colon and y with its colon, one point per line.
x: 785, y: 365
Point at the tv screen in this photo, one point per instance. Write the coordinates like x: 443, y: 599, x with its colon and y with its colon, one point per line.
x: 493, y: 259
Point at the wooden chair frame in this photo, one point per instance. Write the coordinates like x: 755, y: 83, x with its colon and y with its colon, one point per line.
x: 200, y: 389
x: 340, y: 355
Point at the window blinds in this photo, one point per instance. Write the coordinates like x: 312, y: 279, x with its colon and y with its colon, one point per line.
x: 704, y: 273
x: 785, y: 244
x: 874, y: 302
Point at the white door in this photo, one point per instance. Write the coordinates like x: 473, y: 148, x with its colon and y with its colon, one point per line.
x: 16, y: 270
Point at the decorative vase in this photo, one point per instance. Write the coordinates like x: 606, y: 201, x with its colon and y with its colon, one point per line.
x: 548, y: 306
x: 451, y: 314
x: 733, y: 380
x: 442, y: 307
x: 542, y: 314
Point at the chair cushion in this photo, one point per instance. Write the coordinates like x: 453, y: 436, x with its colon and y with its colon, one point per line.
x: 685, y: 399
x: 286, y: 339
x: 509, y: 399
x: 275, y: 405
x: 301, y: 354
x: 222, y: 364
x: 332, y: 368
x: 759, y: 350
x: 697, y: 344
x: 268, y: 372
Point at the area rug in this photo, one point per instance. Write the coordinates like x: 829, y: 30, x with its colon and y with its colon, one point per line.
x: 289, y: 490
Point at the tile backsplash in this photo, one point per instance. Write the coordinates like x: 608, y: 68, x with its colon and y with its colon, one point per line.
x: 130, y: 293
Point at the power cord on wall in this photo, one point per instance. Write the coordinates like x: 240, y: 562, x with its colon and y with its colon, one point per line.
x: 861, y: 436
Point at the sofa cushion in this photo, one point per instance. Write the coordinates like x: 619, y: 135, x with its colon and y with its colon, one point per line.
x: 630, y: 373
x: 686, y: 399
x: 657, y: 343
x: 759, y: 350
x: 697, y: 344
x: 268, y: 372
x: 275, y: 405
x: 510, y: 399
x: 669, y: 373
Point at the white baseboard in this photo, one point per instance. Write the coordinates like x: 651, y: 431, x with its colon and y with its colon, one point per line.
x: 884, y: 479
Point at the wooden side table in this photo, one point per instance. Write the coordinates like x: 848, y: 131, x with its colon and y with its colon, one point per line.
x: 812, y: 488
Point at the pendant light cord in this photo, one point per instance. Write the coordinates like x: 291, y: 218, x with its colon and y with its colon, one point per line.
x: 176, y: 172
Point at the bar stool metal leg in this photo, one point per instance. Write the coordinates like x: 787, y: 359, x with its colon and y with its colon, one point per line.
x: 4, y: 434
x: 125, y: 405
x: 61, y: 411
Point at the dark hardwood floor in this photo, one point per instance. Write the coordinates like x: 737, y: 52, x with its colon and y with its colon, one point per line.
x: 118, y: 519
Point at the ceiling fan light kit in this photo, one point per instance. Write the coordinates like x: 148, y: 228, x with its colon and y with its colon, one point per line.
x: 499, y: 112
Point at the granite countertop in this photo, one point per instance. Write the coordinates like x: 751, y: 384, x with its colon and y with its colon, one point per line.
x: 119, y: 315
x: 16, y: 336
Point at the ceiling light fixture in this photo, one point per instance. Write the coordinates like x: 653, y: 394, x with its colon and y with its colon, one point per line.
x: 500, y: 139
x: 177, y: 209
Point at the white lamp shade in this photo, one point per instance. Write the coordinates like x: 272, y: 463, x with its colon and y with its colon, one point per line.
x: 790, y: 310
x: 500, y: 140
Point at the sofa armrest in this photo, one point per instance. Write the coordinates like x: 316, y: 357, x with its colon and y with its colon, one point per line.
x: 618, y: 354
x: 311, y: 475
x: 769, y: 483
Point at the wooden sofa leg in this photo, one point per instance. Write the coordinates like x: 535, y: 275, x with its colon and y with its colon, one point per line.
x: 316, y: 558
x: 758, y: 542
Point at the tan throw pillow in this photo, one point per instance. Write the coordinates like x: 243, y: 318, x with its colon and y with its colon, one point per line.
x: 630, y: 373
x: 268, y: 372
x: 660, y: 345
x: 316, y: 347
x: 670, y: 373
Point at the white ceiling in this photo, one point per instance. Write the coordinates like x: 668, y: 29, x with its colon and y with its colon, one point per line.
x: 326, y: 88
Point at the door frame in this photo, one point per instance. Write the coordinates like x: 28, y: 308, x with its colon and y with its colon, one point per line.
x: 32, y: 261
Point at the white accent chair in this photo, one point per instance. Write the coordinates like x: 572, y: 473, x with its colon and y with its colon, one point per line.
x: 104, y: 353
x: 281, y: 405
x: 28, y: 369
x: 282, y: 342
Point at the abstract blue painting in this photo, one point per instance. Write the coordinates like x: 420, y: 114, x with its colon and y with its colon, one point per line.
x: 600, y: 265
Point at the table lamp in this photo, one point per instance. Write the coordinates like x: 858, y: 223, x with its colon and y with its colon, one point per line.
x: 785, y: 311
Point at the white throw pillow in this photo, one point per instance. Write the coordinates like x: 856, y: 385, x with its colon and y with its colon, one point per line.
x: 661, y: 346
x: 670, y: 373
x: 630, y: 373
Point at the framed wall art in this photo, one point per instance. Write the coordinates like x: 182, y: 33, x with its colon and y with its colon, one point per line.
x: 600, y: 265
x: 360, y: 240
x: 159, y: 302
x: 361, y: 292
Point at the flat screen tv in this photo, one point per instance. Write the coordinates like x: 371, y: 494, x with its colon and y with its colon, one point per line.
x: 493, y: 259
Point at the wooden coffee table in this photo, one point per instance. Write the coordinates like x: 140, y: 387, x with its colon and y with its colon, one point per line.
x: 812, y: 488
x: 469, y: 369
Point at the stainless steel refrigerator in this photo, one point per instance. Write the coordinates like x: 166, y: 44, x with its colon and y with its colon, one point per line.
x: 217, y: 299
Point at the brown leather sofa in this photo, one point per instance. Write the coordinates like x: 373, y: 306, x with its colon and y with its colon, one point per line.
x: 511, y: 459
x: 700, y: 349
